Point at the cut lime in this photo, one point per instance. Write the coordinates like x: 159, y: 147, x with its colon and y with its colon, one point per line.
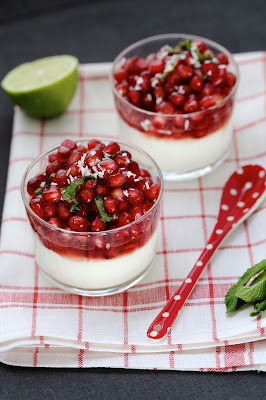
x: 45, y: 87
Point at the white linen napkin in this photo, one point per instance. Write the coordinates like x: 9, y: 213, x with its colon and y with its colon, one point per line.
x: 43, y: 326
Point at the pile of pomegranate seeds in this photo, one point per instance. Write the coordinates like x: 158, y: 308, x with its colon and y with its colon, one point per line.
x: 176, y: 80
x: 91, y: 189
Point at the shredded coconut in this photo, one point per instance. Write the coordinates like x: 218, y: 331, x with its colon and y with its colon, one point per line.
x: 126, y: 193
x: 108, y: 246
x: 186, y: 124
x: 145, y: 124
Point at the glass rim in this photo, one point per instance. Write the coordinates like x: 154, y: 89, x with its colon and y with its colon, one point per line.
x: 52, y: 149
x: 173, y: 36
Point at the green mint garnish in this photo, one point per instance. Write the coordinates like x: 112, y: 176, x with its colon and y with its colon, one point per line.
x: 174, y: 50
x: 38, y: 191
x: 205, y: 77
x: 68, y: 193
x: 200, y: 56
x: 104, y: 216
x: 112, y: 156
x: 75, y: 207
x: 240, y: 295
x: 186, y: 45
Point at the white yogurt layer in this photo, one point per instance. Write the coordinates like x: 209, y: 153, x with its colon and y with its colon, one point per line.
x: 181, y: 155
x: 92, y: 273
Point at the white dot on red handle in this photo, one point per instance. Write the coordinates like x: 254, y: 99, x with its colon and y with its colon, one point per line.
x: 255, y: 195
x: 240, y: 204
x: 165, y: 314
x: 240, y: 171
x: 168, y: 329
x: 177, y: 297
x: 248, y: 185
x: 199, y: 263
x: 188, y: 280
x: 230, y: 218
x: 261, y: 174
x: 233, y: 192
x: 153, y: 333
x: 246, y: 210
x: 209, y: 246
x: 219, y: 231
x: 224, y: 207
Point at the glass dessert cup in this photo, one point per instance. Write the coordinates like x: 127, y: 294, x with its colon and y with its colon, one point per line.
x: 95, y: 263
x: 185, y: 145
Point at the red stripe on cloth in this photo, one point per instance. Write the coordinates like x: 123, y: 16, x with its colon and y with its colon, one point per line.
x: 234, y: 355
x: 15, y: 160
x: 125, y: 313
x: 91, y: 110
x: 34, y: 302
x: 35, y: 357
x: 11, y: 219
x: 41, y: 136
x: 250, y: 97
x: 17, y: 253
x: 250, y: 124
x: 80, y: 316
x: 252, y: 61
x: 80, y: 358
x: 251, y: 353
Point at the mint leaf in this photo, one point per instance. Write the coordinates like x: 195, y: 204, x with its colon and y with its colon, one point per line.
x: 68, y: 193
x: 174, y: 50
x: 260, y: 307
x: 205, y: 77
x: 200, y: 56
x: 256, y: 291
x: 38, y: 191
x: 186, y: 44
x: 232, y: 301
x: 75, y: 207
x: 112, y: 156
x: 104, y: 216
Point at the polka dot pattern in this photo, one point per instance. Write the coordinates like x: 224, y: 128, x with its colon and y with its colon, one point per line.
x: 209, y: 246
x: 199, y: 263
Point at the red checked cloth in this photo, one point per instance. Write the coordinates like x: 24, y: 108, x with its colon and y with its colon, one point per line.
x: 44, y: 326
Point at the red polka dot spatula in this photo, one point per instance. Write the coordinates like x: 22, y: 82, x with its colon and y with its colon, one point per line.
x: 243, y: 193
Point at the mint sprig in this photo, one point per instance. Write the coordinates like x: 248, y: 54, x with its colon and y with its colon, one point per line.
x: 186, y: 45
x: 104, y: 216
x: 68, y: 193
x: 38, y: 191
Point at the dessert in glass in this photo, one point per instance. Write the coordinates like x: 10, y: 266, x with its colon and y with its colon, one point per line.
x: 94, y: 208
x: 174, y: 95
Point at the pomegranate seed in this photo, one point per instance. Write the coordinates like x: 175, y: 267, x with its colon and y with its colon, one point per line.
x: 147, y: 100
x: 123, y: 205
x: 177, y: 99
x: 196, y: 83
x: 136, y: 212
x: 74, y: 157
x: 144, y: 173
x: 112, y: 148
x: 156, y: 67
x: 86, y: 195
x: 159, y: 92
x: 208, y: 89
x: 51, y: 194
x: 97, y: 224
x: 101, y: 190
x: 110, y: 205
x: 93, y: 143
x: 218, y: 80
x: 132, y: 80
x: 130, y: 65
x: 49, y: 210
x: 109, y: 166
x: 69, y: 143
x: 32, y: 185
x: 184, y: 71
x: 52, y: 157
x: 141, y: 65
x: 120, y: 75
x: 200, y: 45
x: 93, y: 157
x: 53, y: 167
x: 222, y: 58
x: 124, y: 218
x: 122, y: 89
x: 90, y: 184
x: 153, y: 192
x: 169, y: 88
x: 144, y: 183
x: 207, y: 102
x: 123, y: 159
x: 55, y: 221
x: 117, y: 193
x: 115, y: 180
x: 165, y: 107
x: 135, y: 196
x: 209, y: 68
x: 230, y: 79
x: 78, y: 223
x: 63, y: 210
x: 83, y: 212
x: 63, y: 153
x: 61, y: 178
x: 75, y: 171
x: 37, y: 205
x: 191, y: 106
x: 134, y: 96
x: 81, y: 149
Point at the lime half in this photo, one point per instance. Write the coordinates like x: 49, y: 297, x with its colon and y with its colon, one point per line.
x: 43, y: 88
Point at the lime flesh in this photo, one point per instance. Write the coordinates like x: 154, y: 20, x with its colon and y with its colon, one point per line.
x: 45, y: 87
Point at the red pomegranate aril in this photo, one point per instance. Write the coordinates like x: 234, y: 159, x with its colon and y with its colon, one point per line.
x: 144, y: 183
x: 147, y: 100
x: 144, y: 173
x: 109, y: 166
x: 191, y: 106
x: 146, y: 206
x: 78, y: 223
x: 111, y: 205
x: 52, y: 157
x: 51, y: 194
x: 185, y: 72
x: 169, y: 88
x: 177, y: 99
x: 124, y: 205
x: 200, y: 45
x: 218, y: 80
x: 55, y: 221
x: 135, y: 196
x: 222, y: 58
x: 133, y: 166
x: 93, y: 157
x: 118, y: 193
x: 120, y: 75
x: 156, y: 67
x: 63, y: 210
x: 196, y: 83
x: 134, y: 96
x: 74, y: 171
x: 37, y: 205
x: 86, y: 195
x: 124, y: 218
x: 115, y: 180
x: 74, y: 157
x: 69, y: 143
x: 141, y: 65
x: 63, y: 153
x: 49, y: 210
x: 32, y: 185
x: 207, y: 102
x: 136, y: 212
x: 165, y: 107
x: 230, y: 79
x: 93, y: 143
x: 84, y: 209
x: 81, y: 149
x: 153, y: 192
x: 90, y: 183
x: 208, y: 89
x: 209, y: 68
x: 97, y: 225
x: 122, y: 89
x: 101, y: 190
x: 159, y: 92
x: 53, y: 167
x: 132, y: 80
x: 61, y: 178
x: 112, y: 148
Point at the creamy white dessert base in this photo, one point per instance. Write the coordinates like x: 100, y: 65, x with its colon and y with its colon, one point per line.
x: 95, y: 273
x: 180, y: 155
